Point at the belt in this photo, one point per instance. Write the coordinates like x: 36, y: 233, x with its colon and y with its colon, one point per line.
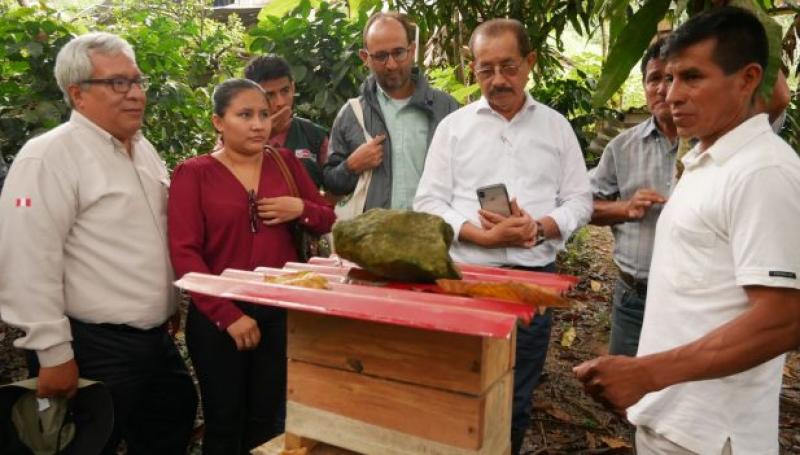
x: 638, y: 285
x: 122, y: 327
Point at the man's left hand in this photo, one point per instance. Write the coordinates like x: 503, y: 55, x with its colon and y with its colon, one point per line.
x: 617, y: 382
x: 282, y: 209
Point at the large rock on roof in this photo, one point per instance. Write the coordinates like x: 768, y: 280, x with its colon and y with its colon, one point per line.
x: 397, y: 244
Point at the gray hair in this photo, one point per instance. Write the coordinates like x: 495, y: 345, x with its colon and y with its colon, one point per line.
x: 74, y: 64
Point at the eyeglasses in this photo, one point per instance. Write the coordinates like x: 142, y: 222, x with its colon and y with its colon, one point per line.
x: 399, y: 55
x: 120, y: 84
x: 251, y: 203
x: 506, y: 69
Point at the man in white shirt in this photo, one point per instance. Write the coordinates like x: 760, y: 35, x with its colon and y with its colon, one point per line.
x: 723, y: 298
x: 84, y: 266
x: 507, y: 137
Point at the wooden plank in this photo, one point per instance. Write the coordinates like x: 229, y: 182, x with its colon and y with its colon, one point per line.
x: 369, y: 438
x: 498, y: 357
x: 462, y: 363
x: 437, y: 415
x: 279, y: 445
x: 293, y: 441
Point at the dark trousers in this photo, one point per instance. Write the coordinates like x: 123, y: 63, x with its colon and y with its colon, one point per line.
x: 243, y: 392
x: 155, y: 401
x: 627, y: 314
x: 532, y: 343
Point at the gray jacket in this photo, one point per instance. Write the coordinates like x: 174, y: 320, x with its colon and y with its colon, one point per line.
x: 346, y: 136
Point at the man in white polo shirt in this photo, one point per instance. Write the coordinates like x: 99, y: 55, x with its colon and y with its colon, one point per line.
x: 84, y: 266
x: 723, y: 300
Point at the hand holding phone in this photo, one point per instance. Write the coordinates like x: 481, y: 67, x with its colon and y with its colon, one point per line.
x: 494, y: 198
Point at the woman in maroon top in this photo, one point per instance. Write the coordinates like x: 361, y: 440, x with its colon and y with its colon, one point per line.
x: 230, y: 208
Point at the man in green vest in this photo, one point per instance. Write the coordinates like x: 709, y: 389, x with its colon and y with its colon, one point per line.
x: 308, y: 140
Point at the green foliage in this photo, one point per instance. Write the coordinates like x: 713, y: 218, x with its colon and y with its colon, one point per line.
x: 445, y: 79
x: 30, y: 101
x: 545, y: 22
x: 572, y: 97
x: 633, y: 39
x: 321, y: 44
x: 791, y: 129
x: 183, y: 52
x: 628, y: 48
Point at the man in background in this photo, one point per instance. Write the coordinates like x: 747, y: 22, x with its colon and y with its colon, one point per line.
x: 401, y: 112
x: 308, y: 140
x: 630, y: 184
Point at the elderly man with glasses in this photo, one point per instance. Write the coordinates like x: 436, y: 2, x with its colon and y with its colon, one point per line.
x: 84, y: 265
x: 400, y: 112
x: 508, y: 138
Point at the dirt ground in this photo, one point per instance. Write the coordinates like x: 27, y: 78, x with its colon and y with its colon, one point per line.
x: 565, y: 420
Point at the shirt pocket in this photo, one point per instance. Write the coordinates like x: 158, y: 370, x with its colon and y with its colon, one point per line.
x: 693, y: 252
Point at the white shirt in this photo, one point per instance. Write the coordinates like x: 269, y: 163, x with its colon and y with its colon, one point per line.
x: 731, y: 221
x: 535, y: 154
x: 83, y: 235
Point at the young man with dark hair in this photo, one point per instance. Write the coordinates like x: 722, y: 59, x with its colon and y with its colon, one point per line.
x: 308, y: 140
x: 400, y: 111
x: 630, y: 184
x: 723, y: 298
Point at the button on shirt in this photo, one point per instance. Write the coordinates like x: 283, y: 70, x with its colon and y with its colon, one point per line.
x: 535, y: 154
x: 83, y: 235
x: 408, y: 128
x: 731, y: 222
x: 639, y: 157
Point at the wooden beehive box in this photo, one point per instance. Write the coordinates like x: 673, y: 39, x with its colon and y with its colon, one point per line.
x: 385, y: 389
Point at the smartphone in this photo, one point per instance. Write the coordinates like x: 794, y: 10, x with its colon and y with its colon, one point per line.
x: 494, y: 198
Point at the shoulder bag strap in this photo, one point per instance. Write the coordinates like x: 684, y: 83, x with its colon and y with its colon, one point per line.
x: 287, y: 174
x: 359, y: 113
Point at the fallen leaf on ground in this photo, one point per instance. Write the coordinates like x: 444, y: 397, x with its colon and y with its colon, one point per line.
x: 568, y: 337
x: 788, y: 373
x: 596, y: 285
x: 591, y: 440
x: 559, y: 414
x: 614, y: 443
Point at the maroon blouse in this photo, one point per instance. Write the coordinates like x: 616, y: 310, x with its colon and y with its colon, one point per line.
x: 208, y: 219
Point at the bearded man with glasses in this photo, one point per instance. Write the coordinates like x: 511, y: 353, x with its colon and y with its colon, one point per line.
x: 508, y: 138
x: 401, y: 112
x: 85, y: 269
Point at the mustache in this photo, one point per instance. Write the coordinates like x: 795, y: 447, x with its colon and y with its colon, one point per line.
x: 499, y: 90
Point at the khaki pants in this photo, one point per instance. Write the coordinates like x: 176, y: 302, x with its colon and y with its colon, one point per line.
x: 648, y: 442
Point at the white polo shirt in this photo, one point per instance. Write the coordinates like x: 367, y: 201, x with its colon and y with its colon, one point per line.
x: 83, y: 235
x: 731, y: 221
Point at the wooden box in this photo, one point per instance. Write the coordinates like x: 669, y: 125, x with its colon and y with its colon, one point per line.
x: 384, y: 389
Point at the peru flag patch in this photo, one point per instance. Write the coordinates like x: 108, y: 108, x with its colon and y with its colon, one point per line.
x: 23, y: 202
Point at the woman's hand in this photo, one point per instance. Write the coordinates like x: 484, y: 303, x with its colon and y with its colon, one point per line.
x: 282, y: 209
x: 245, y: 333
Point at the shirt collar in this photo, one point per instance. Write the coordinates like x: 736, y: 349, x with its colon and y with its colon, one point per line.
x: 81, y: 120
x: 385, y: 96
x: 528, y: 105
x: 730, y: 143
x: 649, y: 128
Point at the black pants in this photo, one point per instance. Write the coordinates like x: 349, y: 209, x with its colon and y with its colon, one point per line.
x: 532, y: 343
x: 155, y: 401
x: 243, y: 392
